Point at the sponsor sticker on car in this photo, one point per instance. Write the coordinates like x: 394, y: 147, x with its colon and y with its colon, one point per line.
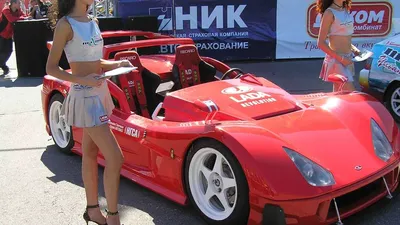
x: 236, y: 90
x: 132, y: 132
x: 116, y: 126
x: 246, y: 97
x: 371, y: 19
x: 389, y: 61
x: 193, y: 124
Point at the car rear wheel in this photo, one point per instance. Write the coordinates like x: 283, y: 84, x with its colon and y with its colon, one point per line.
x: 60, y: 131
x: 216, y: 184
x: 393, y: 101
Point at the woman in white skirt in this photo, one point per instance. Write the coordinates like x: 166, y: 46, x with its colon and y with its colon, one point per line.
x: 88, y: 104
x: 338, y: 26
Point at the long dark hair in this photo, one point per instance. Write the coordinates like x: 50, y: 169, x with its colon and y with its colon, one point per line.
x: 60, y: 8
x: 322, y: 5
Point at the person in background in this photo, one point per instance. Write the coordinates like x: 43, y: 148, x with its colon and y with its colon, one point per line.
x: 337, y: 25
x: 10, y: 14
x: 39, y: 9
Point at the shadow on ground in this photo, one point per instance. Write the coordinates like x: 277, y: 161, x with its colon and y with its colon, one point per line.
x: 163, y: 211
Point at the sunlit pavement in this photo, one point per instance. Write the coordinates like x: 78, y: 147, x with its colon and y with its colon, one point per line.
x: 40, y: 185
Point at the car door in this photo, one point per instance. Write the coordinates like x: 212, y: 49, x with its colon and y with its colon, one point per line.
x: 129, y: 131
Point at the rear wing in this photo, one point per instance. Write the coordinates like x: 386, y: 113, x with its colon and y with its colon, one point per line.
x: 108, y: 49
x: 124, y: 33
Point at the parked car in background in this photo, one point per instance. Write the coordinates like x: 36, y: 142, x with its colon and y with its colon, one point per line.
x: 381, y: 75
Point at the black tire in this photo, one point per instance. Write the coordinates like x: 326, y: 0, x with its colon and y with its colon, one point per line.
x: 68, y: 148
x: 388, y: 100
x: 240, y: 214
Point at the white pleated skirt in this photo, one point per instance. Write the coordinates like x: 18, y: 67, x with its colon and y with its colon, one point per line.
x: 333, y: 66
x: 87, y: 106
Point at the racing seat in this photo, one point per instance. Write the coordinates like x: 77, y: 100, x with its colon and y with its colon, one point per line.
x: 126, y: 83
x: 141, y: 87
x: 189, y: 69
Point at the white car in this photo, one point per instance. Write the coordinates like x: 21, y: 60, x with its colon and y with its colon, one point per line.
x: 381, y: 75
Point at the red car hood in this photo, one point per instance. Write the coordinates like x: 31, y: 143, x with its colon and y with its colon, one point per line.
x: 233, y: 99
x: 337, y: 142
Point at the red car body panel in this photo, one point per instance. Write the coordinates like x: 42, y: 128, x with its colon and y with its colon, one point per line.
x: 331, y: 129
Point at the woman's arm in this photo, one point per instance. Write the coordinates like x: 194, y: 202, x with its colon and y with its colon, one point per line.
x: 326, y: 22
x: 60, y: 38
x: 107, y: 65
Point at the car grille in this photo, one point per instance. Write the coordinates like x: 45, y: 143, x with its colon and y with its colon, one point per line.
x: 353, y: 199
x: 362, y: 195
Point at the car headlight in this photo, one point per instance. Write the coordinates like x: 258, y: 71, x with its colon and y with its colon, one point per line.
x: 382, y: 146
x: 312, y: 172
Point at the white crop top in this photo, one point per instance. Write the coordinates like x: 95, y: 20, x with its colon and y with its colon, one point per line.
x: 87, y: 42
x: 343, y: 24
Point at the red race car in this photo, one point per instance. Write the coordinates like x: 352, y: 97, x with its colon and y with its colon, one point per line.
x: 238, y: 147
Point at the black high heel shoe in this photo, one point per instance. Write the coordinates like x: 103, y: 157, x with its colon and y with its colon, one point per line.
x: 112, y: 213
x: 86, y: 216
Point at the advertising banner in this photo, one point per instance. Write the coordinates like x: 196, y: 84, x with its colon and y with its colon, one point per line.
x: 298, y: 26
x: 225, y: 30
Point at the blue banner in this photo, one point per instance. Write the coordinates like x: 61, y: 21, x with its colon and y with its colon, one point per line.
x: 225, y: 30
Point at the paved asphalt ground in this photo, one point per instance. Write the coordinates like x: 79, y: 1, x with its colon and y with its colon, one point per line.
x: 41, y: 186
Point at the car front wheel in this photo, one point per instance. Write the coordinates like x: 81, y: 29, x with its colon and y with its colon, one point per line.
x: 216, y: 184
x: 60, y: 131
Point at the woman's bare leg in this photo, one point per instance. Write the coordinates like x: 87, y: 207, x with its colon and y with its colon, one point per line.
x: 349, y: 87
x: 90, y: 176
x: 346, y: 87
x: 105, y: 139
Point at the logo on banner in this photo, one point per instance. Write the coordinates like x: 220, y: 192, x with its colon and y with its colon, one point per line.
x: 206, y: 23
x: 371, y: 19
x: 390, y: 60
x: 165, y: 15
x: 231, y: 17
